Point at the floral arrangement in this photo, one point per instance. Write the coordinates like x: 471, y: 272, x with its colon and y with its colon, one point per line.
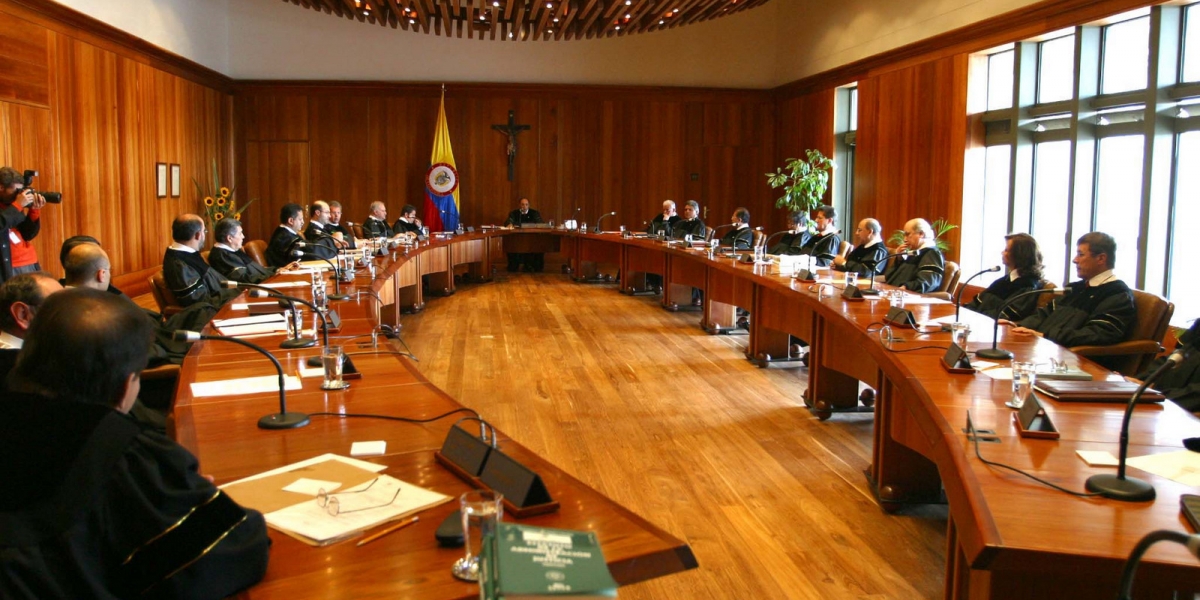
x: 218, y: 201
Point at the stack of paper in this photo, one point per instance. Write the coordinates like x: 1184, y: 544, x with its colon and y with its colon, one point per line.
x: 245, y: 385
x: 240, y: 326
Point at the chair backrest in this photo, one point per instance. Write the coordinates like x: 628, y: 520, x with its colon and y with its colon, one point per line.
x: 1045, y: 299
x: 760, y: 238
x: 257, y: 250
x: 845, y: 249
x: 204, y: 255
x: 950, y: 277
x: 357, y: 230
x: 163, y: 295
x: 708, y: 233
x: 1154, y: 316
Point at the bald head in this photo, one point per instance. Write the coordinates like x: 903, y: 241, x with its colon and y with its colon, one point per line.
x: 188, y: 229
x: 87, y: 265
x: 85, y: 345
x: 20, y: 298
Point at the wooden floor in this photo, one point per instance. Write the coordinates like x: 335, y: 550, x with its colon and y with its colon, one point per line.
x: 675, y: 424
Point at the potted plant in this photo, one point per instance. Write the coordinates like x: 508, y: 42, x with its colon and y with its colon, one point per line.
x: 217, y: 202
x: 804, y: 182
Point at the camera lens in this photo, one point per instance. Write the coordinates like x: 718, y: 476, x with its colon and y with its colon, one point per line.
x: 52, y: 197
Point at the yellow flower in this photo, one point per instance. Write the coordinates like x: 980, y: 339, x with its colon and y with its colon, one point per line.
x: 208, y: 201
x: 218, y: 216
x: 221, y: 201
x: 225, y: 192
x: 238, y: 216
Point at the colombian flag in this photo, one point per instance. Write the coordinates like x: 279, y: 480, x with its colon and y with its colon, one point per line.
x: 441, y: 182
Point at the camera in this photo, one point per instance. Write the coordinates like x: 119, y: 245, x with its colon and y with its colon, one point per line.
x: 51, y: 197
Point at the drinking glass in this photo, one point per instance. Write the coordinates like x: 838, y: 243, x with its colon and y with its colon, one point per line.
x: 851, y: 279
x: 960, y: 333
x: 1024, y: 377
x: 332, y: 359
x: 481, y: 511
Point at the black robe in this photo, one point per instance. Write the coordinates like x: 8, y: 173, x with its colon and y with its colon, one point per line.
x: 683, y: 227
x: 374, y: 228
x: 921, y: 273
x: 517, y: 219
x: 192, y: 280
x: 866, y: 260
x: 238, y: 266
x: 989, y: 301
x: 823, y: 248
x: 1087, y: 315
x: 739, y: 239
x: 97, y: 507
x: 319, y: 243
x: 656, y: 225
x: 347, y: 234
x: 790, y: 243
x: 402, y: 226
x: 279, y: 248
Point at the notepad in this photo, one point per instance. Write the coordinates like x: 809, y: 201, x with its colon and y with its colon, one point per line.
x: 245, y: 385
x: 362, y: 507
x: 375, y: 448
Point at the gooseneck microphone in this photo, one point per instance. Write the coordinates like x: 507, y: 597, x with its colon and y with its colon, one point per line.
x: 262, y: 291
x: 1120, y: 487
x: 871, y: 291
x: 281, y: 420
x: 767, y: 244
x: 962, y: 286
x: 337, y: 276
x: 1162, y: 535
x: 596, y: 229
x: 999, y: 353
x: 720, y: 227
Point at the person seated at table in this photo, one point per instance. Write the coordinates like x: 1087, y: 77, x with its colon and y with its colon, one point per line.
x: 794, y: 240
x: 229, y: 259
x: 408, y: 222
x: 921, y: 273
x: 95, y: 505
x: 533, y: 262
x: 320, y: 240
x: 825, y: 243
x: 690, y: 224
x: 740, y: 236
x: 286, y: 238
x: 1097, y: 310
x: 1022, y: 260
x: 186, y: 274
x: 68, y: 245
x: 335, y: 228
x: 664, y: 222
x: 869, y: 256
x: 376, y: 225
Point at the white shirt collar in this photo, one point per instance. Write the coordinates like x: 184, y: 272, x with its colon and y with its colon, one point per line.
x: 871, y: 243
x: 224, y: 247
x: 180, y: 247
x: 374, y: 218
x: 1013, y: 275
x: 316, y: 224
x: 1102, y: 279
x: 290, y: 229
x: 10, y: 341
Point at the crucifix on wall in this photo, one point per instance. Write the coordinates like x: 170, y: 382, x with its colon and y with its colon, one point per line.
x: 511, y: 130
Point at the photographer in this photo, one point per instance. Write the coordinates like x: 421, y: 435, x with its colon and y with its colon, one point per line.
x: 20, y: 222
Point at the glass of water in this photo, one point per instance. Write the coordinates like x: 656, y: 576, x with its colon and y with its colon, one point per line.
x: 332, y: 360
x: 851, y: 279
x: 1024, y: 377
x: 960, y: 333
x: 896, y: 298
x: 481, y: 511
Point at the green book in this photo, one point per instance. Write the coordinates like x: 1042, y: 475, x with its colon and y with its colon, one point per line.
x: 525, y: 562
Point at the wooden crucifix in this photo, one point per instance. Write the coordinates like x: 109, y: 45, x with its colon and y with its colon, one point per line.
x: 511, y: 130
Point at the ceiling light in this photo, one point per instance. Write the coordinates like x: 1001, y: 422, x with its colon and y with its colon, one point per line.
x: 628, y: 2
x: 661, y: 22
x: 555, y: 19
x: 675, y: 11
x: 1182, y: 113
x: 1039, y: 128
x: 549, y: 5
x: 1102, y: 120
x: 618, y: 27
x: 496, y: 4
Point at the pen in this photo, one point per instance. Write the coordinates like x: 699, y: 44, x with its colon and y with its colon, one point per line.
x: 393, y: 528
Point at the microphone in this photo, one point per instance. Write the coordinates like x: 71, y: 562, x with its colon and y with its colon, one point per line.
x: 963, y: 286
x: 718, y: 228
x: 602, y: 217
x: 996, y: 353
x: 281, y: 420
x: 1120, y: 487
x: 290, y: 343
x: 337, y: 277
x: 1162, y: 535
x: 262, y: 291
x: 767, y: 244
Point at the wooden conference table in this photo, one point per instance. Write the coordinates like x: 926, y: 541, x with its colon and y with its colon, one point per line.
x: 1008, y: 536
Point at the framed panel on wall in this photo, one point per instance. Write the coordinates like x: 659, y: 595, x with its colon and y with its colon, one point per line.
x: 175, y: 180
x: 160, y: 179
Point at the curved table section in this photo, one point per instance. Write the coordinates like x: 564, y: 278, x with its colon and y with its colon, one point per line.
x: 1009, y: 537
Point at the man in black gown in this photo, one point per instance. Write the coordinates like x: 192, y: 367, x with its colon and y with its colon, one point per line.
x: 188, y: 277
x: 665, y: 221
x: 286, y: 237
x: 923, y: 272
x: 376, y: 225
x: 229, y: 259
x: 1097, y: 310
x: 95, y: 506
x: 869, y: 254
x: 320, y: 241
x: 795, y: 239
x: 690, y: 224
x: 740, y: 236
x: 408, y: 221
x: 335, y: 227
x: 533, y: 262
x: 825, y: 244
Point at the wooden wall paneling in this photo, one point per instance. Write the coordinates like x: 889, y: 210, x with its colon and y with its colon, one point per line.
x: 528, y: 168
x: 807, y: 122
x: 277, y: 118
x: 551, y: 161
x: 338, y: 144
x: 24, y: 65
x: 408, y: 138
x: 277, y: 173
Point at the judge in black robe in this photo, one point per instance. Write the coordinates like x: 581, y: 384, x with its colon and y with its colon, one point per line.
x: 921, y: 273
x: 825, y: 244
x: 229, y: 259
x: 408, y: 221
x: 335, y: 227
x: 319, y: 243
x: 869, y: 256
x: 740, y: 236
x: 532, y: 262
x: 94, y: 505
x: 186, y: 274
x: 376, y: 225
x: 692, y: 227
x: 665, y: 221
x: 285, y: 239
x: 1022, y: 259
x: 793, y: 241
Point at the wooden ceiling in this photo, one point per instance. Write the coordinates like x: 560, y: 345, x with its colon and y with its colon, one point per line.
x: 518, y: 20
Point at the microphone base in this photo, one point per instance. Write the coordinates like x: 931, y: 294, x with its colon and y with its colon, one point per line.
x: 338, y: 297
x: 994, y: 353
x: 287, y: 420
x: 1129, y: 489
x: 298, y: 343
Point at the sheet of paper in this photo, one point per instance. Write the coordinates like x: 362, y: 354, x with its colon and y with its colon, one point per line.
x: 287, y: 284
x: 316, y: 460
x: 360, y: 510
x: 1098, y: 458
x: 253, y: 329
x: 238, y: 321
x: 311, y: 487
x: 998, y: 373
x: 918, y: 300
x: 981, y: 365
x: 946, y: 320
x: 375, y: 448
x: 245, y: 385
x: 307, y: 371
x: 247, y: 305
x: 313, y: 265
x: 1182, y: 466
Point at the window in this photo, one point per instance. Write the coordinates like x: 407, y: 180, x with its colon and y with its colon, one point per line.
x: 1051, y: 221
x: 854, y: 109
x: 1191, y: 44
x: 845, y: 129
x: 1056, y: 68
x: 985, y: 225
x: 1126, y: 56
x: 1183, y: 285
x: 1000, y: 80
x: 1119, y: 197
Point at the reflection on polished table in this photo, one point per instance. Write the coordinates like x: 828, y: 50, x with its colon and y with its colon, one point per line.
x: 1008, y: 536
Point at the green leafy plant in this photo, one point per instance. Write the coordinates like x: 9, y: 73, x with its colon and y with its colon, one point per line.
x: 940, y: 227
x: 804, y: 181
x: 217, y: 202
